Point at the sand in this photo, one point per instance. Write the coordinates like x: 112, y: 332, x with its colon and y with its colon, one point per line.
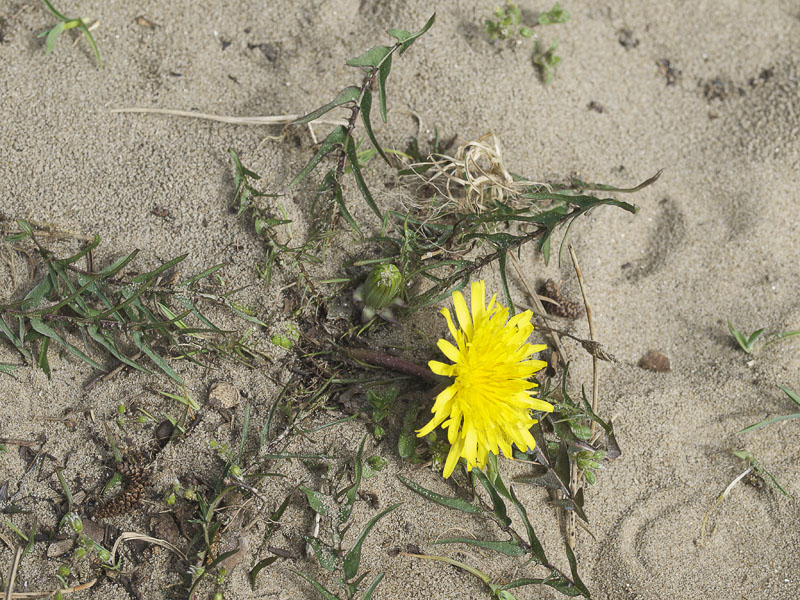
x: 715, y: 239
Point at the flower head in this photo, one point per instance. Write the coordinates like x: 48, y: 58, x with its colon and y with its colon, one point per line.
x: 489, y: 404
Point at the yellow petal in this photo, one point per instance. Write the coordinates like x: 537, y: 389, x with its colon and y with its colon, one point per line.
x: 441, y: 368
x: 449, y: 350
x: 462, y: 314
x: 452, y: 458
x: 477, y: 298
x: 450, y: 325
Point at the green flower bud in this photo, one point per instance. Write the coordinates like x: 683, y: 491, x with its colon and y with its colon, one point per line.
x: 170, y: 499
x: 75, y: 522
x: 104, y: 555
x: 63, y: 571
x: 382, y: 286
x: 236, y: 471
x: 378, y: 432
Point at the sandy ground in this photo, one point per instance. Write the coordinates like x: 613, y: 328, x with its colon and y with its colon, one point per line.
x: 715, y: 240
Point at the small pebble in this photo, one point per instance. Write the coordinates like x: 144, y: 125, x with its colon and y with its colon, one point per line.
x: 655, y: 361
x: 222, y: 394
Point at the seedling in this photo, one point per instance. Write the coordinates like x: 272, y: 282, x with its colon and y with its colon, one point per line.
x: 64, y: 24
x: 747, y: 342
x: 793, y: 397
x: 509, y: 18
x: 546, y: 61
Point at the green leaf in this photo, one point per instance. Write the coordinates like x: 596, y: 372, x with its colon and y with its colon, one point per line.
x: 455, y: 503
x: 373, y: 57
x: 7, y: 369
x: 143, y: 345
x: 573, y: 567
x: 348, y: 94
x: 371, y: 589
x: 353, y: 557
x: 318, y: 501
x: 792, y: 396
x: 554, y: 16
x: 562, y: 466
x: 47, y: 331
x: 155, y: 272
x: 335, y: 138
x: 52, y: 38
x: 350, y: 152
x: 317, y: 586
x: 536, y: 546
x: 43, y: 363
x: 509, y: 548
x: 326, y: 555
x: 504, y: 281
x: 350, y: 492
x: 498, y: 506
x: 383, y: 73
x: 406, y: 39
x: 366, y: 107
x: 107, y: 342
x: 330, y: 182
x: 253, y: 573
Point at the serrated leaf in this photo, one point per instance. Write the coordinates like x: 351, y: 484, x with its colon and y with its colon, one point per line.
x: 366, y: 107
x: 353, y: 557
x: 373, y: 57
x: 334, y: 138
x: 455, y: 503
x: 348, y: 94
x: 319, y: 502
x: 350, y: 152
x: 509, y: 548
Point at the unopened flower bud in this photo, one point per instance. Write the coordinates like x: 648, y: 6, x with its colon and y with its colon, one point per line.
x: 382, y: 286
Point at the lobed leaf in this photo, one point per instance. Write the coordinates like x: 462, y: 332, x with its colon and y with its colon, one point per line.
x: 348, y: 94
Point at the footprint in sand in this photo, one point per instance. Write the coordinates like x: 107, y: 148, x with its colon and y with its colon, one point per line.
x: 670, y: 226
x: 655, y: 549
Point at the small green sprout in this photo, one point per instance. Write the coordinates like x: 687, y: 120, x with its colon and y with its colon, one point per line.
x: 546, y: 61
x: 507, y: 24
x: 747, y: 342
x: 554, y: 16
x: 64, y: 24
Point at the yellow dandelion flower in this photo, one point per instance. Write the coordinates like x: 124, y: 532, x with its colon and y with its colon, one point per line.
x: 489, y: 404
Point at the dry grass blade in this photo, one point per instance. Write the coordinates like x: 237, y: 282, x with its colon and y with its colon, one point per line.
x: 12, y: 576
x: 62, y: 591
x: 474, y: 177
x: 132, y: 535
x: 262, y: 120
